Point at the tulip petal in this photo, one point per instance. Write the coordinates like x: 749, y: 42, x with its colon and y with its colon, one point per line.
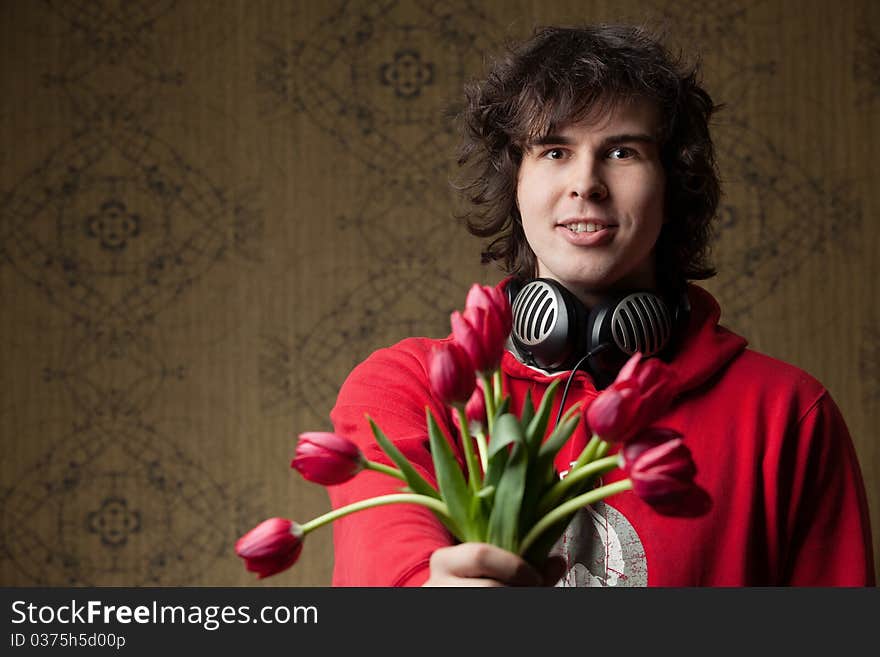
x: 271, y: 547
x: 451, y: 373
x: 662, y: 472
x: 326, y: 458
x: 629, y: 369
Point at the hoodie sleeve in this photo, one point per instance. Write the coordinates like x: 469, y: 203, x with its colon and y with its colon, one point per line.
x: 826, y: 515
x: 389, y: 545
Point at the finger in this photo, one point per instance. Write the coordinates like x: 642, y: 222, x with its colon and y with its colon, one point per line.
x: 481, y: 560
x: 465, y: 582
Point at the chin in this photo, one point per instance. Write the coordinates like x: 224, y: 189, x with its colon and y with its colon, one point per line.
x: 587, y: 281
x: 605, y: 280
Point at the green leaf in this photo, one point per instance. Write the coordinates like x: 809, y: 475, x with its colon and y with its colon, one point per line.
x: 416, y: 482
x: 556, y: 440
x: 505, y: 434
x: 486, y: 492
x: 540, y: 549
x: 502, y: 407
x: 478, y: 517
x: 503, y: 529
x: 502, y: 437
x: 495, y: 468
x: 528, y: 410
x: 486, y: 497
x: 538, y: 424
x: 542, y: 471
x: 561, y: 433
x: 450, y: 479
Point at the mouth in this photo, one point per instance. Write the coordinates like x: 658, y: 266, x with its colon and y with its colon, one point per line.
x: 585, y: 225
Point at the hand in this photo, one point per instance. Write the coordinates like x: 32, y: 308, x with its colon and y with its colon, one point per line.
x: 481, y: 564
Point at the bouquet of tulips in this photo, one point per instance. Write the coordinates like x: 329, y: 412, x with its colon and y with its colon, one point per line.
x: 508, y: 493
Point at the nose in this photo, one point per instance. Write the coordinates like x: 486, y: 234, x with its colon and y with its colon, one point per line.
x: 587, y: 183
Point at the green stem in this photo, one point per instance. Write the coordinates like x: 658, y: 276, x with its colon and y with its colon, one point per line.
x: 569, y: 507
x: 475, y: 477
x: 483, y: 449
x: 497, y: 389
x: 587, y: 454
x: 436, y: 506
x: 575, y: 476
x: 381, y: 467
x: 489, y: 397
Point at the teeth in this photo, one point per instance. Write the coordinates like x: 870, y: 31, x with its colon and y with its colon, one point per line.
x: 584, y: 227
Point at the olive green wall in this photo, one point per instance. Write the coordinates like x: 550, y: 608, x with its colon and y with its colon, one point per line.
x: 210, y: 211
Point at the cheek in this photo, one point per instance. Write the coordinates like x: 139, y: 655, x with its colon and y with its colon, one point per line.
x: 532, y: 194
x: 648, y: 198
x: 532, y: 205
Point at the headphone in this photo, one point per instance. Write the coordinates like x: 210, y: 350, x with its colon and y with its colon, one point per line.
x: 553, y: 330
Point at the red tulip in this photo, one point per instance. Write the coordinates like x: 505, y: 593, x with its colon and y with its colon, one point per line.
x: 481, y: 335
x: 641, y: 392
x: 494, y: 301
x: 482, y: 329
x: 271, y: 547
x: 451, y: 373
x: 660, y: 466
x: 326, y: 458
x: 474, y: 411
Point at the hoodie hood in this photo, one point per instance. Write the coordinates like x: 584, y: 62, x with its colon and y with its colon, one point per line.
x: 707, y: 346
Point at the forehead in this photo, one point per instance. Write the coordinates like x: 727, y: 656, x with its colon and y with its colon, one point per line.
x: 607, y: 116
x: 638, y: 113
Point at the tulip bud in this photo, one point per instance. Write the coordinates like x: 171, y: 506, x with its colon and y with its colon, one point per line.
x: 271, y: 547
x: 639, y: 395
x: 327, y: 459
x: 494, y: 301
x: 451, y: 373
x: 482, y: 329
x: 660, y: 466
x: 481, y: 335
x: 474, y: 411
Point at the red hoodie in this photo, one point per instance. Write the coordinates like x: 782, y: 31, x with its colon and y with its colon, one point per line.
x: 770, y: 445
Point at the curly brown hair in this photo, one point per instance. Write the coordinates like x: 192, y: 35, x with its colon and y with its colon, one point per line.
x: 564, y: 75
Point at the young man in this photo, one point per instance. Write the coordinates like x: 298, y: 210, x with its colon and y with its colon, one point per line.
x: 591, y: 165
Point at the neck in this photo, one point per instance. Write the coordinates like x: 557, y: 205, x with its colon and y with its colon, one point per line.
x: 592, y: 297
x: 643, y: 279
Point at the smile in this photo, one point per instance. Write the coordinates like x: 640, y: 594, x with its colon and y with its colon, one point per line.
x: 585, y: 227
x: 587, y: 233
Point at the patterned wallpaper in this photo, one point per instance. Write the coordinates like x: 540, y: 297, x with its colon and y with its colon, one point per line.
x: 211, y: 211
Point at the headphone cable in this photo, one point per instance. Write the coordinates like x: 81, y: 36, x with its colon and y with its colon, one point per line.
x: 590, y: 354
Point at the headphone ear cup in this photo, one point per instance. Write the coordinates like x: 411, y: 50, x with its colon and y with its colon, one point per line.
x: 547, y: 321
x: 635, y: 322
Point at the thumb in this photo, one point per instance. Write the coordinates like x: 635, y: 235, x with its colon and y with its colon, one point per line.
x: 553, y: 569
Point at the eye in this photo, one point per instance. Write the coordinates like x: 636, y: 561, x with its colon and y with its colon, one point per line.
x: 621, y: 153
x: 554, y: 154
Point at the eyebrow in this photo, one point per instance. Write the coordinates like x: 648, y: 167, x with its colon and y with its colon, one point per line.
x: 547, y: 140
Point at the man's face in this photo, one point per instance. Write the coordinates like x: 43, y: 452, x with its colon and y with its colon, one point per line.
x: 591, y: 198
